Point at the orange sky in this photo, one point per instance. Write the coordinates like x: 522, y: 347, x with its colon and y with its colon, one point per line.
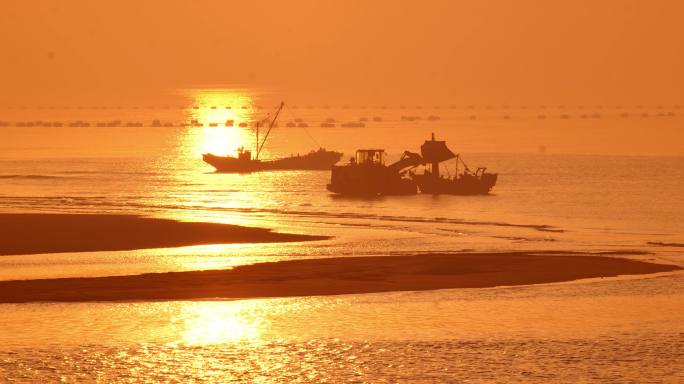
x: 477, y: 51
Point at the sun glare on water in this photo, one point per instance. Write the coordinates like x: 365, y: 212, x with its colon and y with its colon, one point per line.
x: 223, y: 121
x: 219, y: 322
x: 220, y: 122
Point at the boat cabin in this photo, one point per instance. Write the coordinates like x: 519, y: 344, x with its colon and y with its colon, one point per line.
x: 244, y: 154
x: 370, y: 156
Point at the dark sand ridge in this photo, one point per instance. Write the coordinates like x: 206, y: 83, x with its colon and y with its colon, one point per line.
x: 333, y: 276
x: 22, y: 234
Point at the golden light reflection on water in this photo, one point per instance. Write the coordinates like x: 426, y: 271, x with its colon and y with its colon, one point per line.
x: 211, y: 256
x: 219, y: 322
x: 220, y: 114
x: 215, y: 118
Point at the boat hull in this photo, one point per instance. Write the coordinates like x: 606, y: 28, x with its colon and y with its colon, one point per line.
x: 369, y: 180
x: 318, y: 160
x: 464, y: 185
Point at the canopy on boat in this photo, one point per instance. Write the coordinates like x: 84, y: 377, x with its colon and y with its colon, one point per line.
x: 434, y: 151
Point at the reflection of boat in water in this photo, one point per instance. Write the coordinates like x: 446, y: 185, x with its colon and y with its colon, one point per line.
x: 314, y: 160
x: 468, y: 182
x: 367, y: 174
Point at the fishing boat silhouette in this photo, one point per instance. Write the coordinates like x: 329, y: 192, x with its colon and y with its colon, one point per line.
x: 320, y: 159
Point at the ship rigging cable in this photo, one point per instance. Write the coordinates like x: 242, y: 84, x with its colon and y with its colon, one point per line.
x: 304, y: 128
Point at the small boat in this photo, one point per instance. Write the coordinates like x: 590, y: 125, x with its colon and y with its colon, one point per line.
x: 320, y: 159
x: 468, y: 182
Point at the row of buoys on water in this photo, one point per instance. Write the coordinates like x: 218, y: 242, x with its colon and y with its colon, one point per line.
x: 135, y: 107
x: 570, y: 116
x: 328, y: 122
x: 416, y: 118
x: 353, y: 124
x: 117, y: 123
x: 226, y: 107
x: 363, y: 107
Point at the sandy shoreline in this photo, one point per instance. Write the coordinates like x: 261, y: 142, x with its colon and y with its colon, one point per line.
x: 23, y: 234
x: 332, y: 276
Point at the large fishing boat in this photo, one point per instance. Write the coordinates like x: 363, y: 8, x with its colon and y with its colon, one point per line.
x: 367, y: 174
x: 314, y: 160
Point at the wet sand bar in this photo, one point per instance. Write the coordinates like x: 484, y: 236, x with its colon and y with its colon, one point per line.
x: 22, y: 234
x: 333, y: 276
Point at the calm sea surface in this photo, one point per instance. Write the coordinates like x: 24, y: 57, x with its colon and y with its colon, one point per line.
x: 608, y: 330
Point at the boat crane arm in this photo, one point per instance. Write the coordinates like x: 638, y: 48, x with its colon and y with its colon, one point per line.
x: 408, y: 160
x: 270, y: 127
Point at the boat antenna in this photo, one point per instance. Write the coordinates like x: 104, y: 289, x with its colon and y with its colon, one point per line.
x: 270, y: 127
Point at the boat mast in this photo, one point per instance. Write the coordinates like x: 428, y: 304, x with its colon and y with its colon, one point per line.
x: 457, y: 158
x: 435, y: 164
x: 275, y: 117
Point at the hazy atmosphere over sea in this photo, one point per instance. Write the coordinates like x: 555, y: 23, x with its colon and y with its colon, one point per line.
x: 124, y: 257
x: 465, y: 52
